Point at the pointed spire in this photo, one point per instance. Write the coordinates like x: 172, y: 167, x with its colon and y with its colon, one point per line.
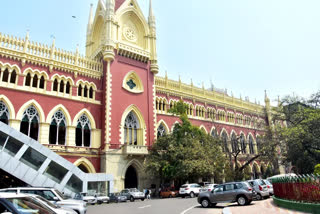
x: 151, y: 18
x: 90, y: 21
x: 150, y: 9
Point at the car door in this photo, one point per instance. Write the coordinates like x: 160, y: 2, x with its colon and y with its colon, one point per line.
x: 217, y: 195
x: 228, y: 192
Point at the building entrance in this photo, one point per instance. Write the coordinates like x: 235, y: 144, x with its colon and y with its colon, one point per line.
x: 131, y: 179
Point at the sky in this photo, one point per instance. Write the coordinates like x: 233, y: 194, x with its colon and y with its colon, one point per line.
x: 244, y: 46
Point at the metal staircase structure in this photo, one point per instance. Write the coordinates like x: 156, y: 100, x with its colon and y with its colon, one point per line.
x: 36, y: 165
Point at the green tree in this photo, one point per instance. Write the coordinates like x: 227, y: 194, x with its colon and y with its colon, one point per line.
x: 317, y: 169
x: 302, y: 134
x: 185, y: 154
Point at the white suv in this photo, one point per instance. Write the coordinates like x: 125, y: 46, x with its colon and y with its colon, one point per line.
x: 51, y: 195
x: 189, y: 189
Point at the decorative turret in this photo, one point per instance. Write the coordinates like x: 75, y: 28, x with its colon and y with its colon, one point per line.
x: 109, y: 44
x: 153, y: 48
x: 90, y: 22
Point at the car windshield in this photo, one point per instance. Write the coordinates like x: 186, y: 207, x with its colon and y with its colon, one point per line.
x: 260, y: 182
x: 267, y: 182
x: 184, y: 186
x: 48, y: 203
x: 64, y: 197
x: 207, y: 185
x: 134, y: 190
x: 28, y: 205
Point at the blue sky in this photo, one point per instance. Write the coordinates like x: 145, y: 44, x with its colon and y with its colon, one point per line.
x: 245, y: 46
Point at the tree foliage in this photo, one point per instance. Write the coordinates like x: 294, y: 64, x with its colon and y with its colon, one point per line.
x: 302, y: 134
x: 317, y: 169
x: 185, y: 154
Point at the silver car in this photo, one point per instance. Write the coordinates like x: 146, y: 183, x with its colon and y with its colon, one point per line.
x: 260, y: 187
x: 240, y: 192
x: 269, y: 186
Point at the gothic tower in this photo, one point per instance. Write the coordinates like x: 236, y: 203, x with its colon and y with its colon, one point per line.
x: 125, y: 40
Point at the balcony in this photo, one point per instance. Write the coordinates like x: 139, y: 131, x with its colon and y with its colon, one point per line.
x: 135, y: 150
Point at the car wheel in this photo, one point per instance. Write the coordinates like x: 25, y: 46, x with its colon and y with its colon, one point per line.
x: 183, y: 196
x: 242, y: 200
x: 131, y: 198
x: 259, y: 197
x: 142, y: 199
x: 191, y: 194
x: 205, y: 203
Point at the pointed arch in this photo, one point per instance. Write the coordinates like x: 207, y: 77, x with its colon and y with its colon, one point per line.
x: 224, y: 130
x: 85, y: 162
x: 142, y: 125
x: 202, y: 127
x: 136, y: 164
x: 132, y: 83
x: 88, y: 114
x: 164, y: 124
x: 173, y: 125
x: 36, y: 105
x: 63, y: 109
x: 7, y: 102
x: 213, y: 131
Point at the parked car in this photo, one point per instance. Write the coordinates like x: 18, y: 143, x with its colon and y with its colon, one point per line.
x: 22, y: 204
x: 240, y: 192
x: 203, y: 184
x: 57, y: 209
x: 133, y: 194
x: 189, y: 189
x: 168, y: 194
x: 260, y: 187
x: 52, y: 195
x: 208, y: 187
x: 117, y: 197
x: 90, y: 199
x: 269, y: 186
x: 102, y: 198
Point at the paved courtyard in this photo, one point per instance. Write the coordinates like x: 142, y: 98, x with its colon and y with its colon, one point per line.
x: 186, y: 206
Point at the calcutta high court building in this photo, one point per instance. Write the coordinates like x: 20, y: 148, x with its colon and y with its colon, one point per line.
x: 103, y: 111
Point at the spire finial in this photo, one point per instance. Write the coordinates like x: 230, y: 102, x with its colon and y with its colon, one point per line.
x: 90, y: 21
x: 150, y: 9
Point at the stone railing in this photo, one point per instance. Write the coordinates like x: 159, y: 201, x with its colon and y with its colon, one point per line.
x: 32, y: 52
x: 163, y: 84
x: 135, y: 150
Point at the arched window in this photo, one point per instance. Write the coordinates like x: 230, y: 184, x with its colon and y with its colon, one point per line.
x: 83, y: 132
x: 68, y: 88
x: 131, y: 126
x: 234, y: 142
x: 251, y: 149
x: 80, y: 90
x: 91, y: 93
x: 213, y: 133
x: 13, y: 77
x: 28, y: 80
x: 4, y: 113
x: 61, y: 86
x: 42, y: 81
x: 55, y: 85
x: 161, y: 131
x: 5, y: 75
x: 258, y: 140
x: 243, y: 144
x: 30, y: 123
x: 85, y: 91
x: 35, y: 81
x: 224, y: 137
x: 57, y: 133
